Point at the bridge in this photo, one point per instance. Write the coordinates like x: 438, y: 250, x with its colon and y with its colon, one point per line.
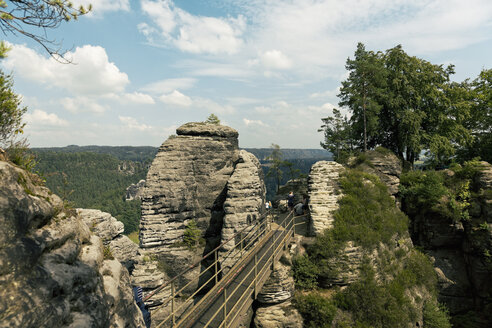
x: 225, y: 293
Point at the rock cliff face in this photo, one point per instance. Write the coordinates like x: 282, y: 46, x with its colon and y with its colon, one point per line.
x: 461, y: 250
x: 198, y: 176
x: 324, y: 194
x: 187, y: 181
x: 245, y: 201
x: 53, y: 271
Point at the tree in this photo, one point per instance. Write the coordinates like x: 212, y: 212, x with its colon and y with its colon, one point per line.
x: 338, y: 138
x: 362, y: 90
x: 22, y: 16
x: 10, y: 111
x: 276, y: 163
x: 213, y: 119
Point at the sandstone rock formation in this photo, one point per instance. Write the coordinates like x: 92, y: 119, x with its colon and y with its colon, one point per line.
x: 134, y: 191
x: 283, y: 315
x: 110, y: 231
x: 53, y: 270
x: 198, y: 176
x: 245, y: 202
x: 460, y: 249
x: 279, y: 287
x: 324, y: 194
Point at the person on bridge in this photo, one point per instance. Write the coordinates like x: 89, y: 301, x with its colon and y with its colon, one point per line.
x: 137, y: 295
x: 290, y: 201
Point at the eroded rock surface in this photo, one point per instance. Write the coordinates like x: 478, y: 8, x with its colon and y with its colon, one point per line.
x: 283, y: 315
x: 279, y: 287
x: 324, y: 194
x: 244, y: 205
x: 53, y: 272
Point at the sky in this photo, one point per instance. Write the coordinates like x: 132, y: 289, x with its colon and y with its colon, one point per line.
x: 269, y: 69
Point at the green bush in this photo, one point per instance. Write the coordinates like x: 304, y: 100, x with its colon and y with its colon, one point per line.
x: 305, y: 272
x: 316, y: 310
x: 435, y: 316
x: 192, y: 235
x: 374, y: 304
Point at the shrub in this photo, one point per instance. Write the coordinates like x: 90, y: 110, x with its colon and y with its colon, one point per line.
x: 192, y: 235
x: 305, y: 272
x: 317, y: 311
x: 435, y: 316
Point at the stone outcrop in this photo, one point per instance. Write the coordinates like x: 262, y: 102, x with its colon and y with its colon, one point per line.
x: 283, y: 315
x: 279, y: 287
x: 185, y: 182
x: 245, y: 202
x: 110, y: 231
x: 53, y: 271
x: 199, y: 176
x: 386, y: 165
x: 459, y: 249
x: 324, y: 194
x: 134, y: 191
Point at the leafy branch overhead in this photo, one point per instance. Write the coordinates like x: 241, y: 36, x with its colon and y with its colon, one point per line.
x: 27, y: 18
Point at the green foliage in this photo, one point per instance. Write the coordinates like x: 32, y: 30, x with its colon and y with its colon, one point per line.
x: 407, y: 104
x: 435, y: 316
x: 19, y: 153
x: 108, y: 253
x: 305, y: 272
x: 11, y: 111
x: 192, y: 235
x: 376, y: 304
x: 338, y: 136
x: 18, y: 17
x: 448, y: 194
x: 316, y: 310
x: 212, y: 119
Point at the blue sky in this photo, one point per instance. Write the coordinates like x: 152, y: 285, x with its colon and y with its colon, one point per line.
x: 269, y: 69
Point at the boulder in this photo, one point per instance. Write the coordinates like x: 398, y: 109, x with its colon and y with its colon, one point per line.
x: 279, y: 287
x: 283, y: 315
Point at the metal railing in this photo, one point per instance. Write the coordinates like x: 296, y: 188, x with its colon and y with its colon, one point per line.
x: 256, y: 253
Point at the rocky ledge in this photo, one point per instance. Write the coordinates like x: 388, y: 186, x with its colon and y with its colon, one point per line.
x: 53, y: 271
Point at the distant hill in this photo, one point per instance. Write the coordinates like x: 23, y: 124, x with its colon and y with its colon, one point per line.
x: 123, y: 153
x: 143, y: 153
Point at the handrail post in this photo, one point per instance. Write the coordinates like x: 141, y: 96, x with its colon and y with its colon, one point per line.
x: 172, y: 304
x: 256, y: 272
x: 216, y: 268
x: 225, y: 307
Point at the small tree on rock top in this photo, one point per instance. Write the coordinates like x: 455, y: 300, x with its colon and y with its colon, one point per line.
x: 213, y: 119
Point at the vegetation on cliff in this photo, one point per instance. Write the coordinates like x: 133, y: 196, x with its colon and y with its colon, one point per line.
x: 390, y: 276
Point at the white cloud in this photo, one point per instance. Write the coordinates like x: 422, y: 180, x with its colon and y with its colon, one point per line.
x: 132, y: 123
x: 254, y: 122
x: 176, y: 98
x: 42, y: 118
x: 326, y: 94
x: 213, y: 107
x: 275, y: 59
x: 82, y: 104
x: 191, y: 33
x: 169, y: 85
x: 91, y: 74
x: 132, y: 98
